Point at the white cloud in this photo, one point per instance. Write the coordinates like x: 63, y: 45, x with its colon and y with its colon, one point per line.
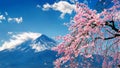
x: 18, y: 39
x: 17, y: 20
x: 47, y: 6
x: 5, y: 18
x: 61, y: 6
x: 10, y: 19
x: 2, y: 17
x: 10, y: 33
x: 38, y: 6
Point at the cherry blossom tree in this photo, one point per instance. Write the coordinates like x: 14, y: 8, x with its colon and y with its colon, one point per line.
x: 91, y: 32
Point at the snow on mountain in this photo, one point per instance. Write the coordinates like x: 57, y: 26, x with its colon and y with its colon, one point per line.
x: 43, y: 42
x: 28, y: 41
x: 18, y: 39
x: 28, y: 50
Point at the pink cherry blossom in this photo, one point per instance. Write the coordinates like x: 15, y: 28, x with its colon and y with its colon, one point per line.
x: 92, y: 33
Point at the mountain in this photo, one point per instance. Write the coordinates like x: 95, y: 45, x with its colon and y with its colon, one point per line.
x: 30, y: 54
x: 44, y: 42
x: 39, y: 44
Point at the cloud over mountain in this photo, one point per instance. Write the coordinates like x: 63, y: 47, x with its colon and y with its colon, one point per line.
x: 18, y: 39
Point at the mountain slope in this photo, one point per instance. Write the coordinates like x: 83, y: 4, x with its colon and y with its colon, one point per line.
x: 43, y: 42
x: 18, y: 59
x: 29, y: 54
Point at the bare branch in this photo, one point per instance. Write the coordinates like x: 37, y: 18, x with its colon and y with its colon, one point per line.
x: 112, y: 25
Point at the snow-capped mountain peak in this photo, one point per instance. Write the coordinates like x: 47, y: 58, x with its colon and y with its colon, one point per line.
x: 28, y: 41
x: 43, y: 42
